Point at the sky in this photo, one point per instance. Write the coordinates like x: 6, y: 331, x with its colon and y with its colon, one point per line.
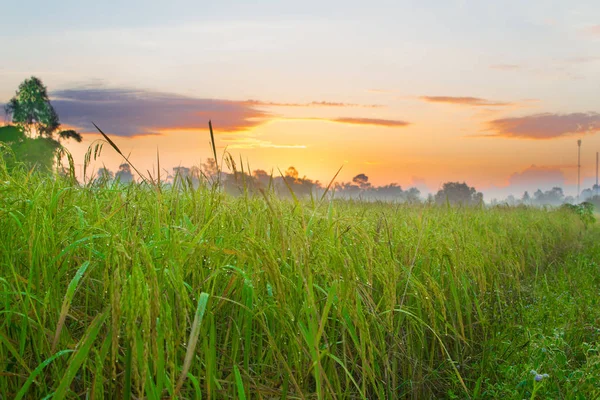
x: 411, y: 92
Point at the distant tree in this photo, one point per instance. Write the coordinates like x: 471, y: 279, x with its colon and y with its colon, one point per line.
x: 124, y: 174
x: 569, y: 200
x: 261, y: 178
x: 526, y: 199
x: 291, y: 173
x: 554, y: 196
x: 413, y: 195
x: 181, y: 172
x: 511, y: 201
x: 362, y: 181
x: 210, y: 168
x: 458, y: 193
x: 30, y: 111
x: 104, y: 175
x: 347, y: 189
x: 300, y: 186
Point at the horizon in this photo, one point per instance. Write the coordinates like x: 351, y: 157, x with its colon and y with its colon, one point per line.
x: 493, y: 95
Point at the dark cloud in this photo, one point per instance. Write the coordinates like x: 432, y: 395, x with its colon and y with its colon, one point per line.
x: 464, y: 101
x: 131, y: 112
x: 126, y: 112
x: 545, y: 126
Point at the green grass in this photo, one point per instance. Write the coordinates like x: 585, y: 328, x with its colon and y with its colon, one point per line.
x: 139, y: 291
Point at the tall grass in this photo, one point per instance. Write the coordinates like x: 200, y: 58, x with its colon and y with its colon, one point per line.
x: 130, y: 292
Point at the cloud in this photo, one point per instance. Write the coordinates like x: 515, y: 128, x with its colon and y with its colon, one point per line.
x: 126, y: 112
x: 545, y: 126
x: 387, y: 123
x: 463, y: 101
x: 253, y: 143
x: 258, y: 103
x: 535, y: 177
x: 134, y: 112
x: 390, y: 123
x: 505, y: 67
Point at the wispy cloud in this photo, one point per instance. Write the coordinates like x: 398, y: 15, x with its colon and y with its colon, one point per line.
x: 254, y: 143
x: 259, y: 103
x: 126, y: 112
x: 464, y: 101
x: 390, y: 123
x: 545, y: 126
x: 505, y: 67
x: 387, y: 123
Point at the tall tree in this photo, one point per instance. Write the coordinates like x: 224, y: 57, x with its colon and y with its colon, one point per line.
x: 31, y: 109
x: 31, y: 112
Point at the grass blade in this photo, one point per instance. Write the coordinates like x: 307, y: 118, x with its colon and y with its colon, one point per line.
x: 67, y: 302
x: 80, y: 355
x: 191, y: 347
x: 37, y: 371
x: 239, y: 383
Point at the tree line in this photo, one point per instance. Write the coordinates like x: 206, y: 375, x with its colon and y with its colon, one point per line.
x: 34, y: 136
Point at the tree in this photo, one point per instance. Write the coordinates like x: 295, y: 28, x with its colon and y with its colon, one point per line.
x: 31, y: 109
x: 362, y: 181
x: 554, y: 197
x: 105, y: 175
x: 32, y: 113
x: 458, y: 193
x: 210, y: 169
x: 124, y: 174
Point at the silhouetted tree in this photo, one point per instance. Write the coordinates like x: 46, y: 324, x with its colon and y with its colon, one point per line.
x: 124, y: 174
x: 554, y: 196
x: 458, y: 193
x: 104, y: 175
x: 31, y: 111
x: 210, y: 169
x: 362, y: 181
x: 413, y: 195
x: 261, y: 178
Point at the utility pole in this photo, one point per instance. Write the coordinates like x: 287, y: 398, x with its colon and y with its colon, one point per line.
x: 578, y: 168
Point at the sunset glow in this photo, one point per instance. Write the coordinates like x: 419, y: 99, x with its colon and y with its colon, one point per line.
x: 492, y: 94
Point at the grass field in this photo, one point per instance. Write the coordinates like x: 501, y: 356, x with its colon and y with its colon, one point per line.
x: 145, y: 292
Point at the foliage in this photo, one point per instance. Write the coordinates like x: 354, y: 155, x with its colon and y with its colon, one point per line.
x: 585, y: 211
x: 36, y: 136
x: 155, y: 292
x: 124, y: 174
x: 30, y: 108
x: 458, y: 193
x: 555, y: 196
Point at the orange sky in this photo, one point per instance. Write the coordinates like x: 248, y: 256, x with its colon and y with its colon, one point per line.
x: 494, y: 94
